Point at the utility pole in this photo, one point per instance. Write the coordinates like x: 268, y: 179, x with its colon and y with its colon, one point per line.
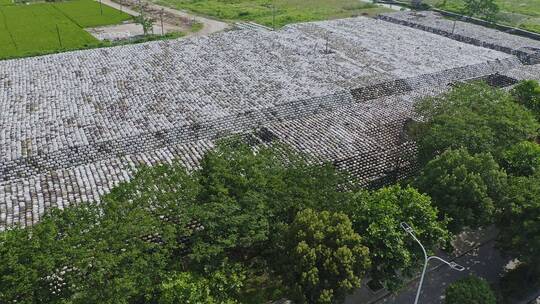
x: 141, y: 17
x: 327, y: 48
x: 454, y: 27
x: 101, y: 7
x: 58, y: 33
x: 161, y: 17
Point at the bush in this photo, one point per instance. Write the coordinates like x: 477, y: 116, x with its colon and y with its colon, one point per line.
x: 464, y: 187
x: 522, y: 159
x: 471, y: 290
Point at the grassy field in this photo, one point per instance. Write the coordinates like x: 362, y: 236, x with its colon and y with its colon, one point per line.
x: 87, y: 13
x: 49, y: 27
x: 286, y: 11
x: 519, y: 13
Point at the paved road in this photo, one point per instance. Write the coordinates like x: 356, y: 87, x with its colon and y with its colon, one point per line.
x: 484, y: 261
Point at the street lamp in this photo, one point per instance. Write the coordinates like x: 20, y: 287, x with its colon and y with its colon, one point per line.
x: 452, y: 265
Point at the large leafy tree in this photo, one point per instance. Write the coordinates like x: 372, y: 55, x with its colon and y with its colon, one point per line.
x: 377, y: 216
x: 474, y: 116
x: 470, y: 290
x: 322, y: 257
x: 166, y: 228
x: 527, y: 93
x: 246, y: 192
x: 522, y: 159
x: 519, y: 222
x: 97, y: 253
x: 221, y: 286
x: 465, y: 187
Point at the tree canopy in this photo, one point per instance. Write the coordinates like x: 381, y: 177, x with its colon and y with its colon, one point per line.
x: 222, y: 286
x: 527, y: 93
x: 522, y: 159
x: 377, y: 216
x: 464, y: 187
x: 474, y: 116
x: 323, y: 257
x: 243, y: 195
x: 167, y: 234
x: 519, y: 222
x: 470, y: 290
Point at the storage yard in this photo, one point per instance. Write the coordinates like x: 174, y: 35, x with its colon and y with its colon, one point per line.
x: 73, y: 125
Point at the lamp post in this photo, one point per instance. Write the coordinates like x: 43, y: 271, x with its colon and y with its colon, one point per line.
x: 427, y: 258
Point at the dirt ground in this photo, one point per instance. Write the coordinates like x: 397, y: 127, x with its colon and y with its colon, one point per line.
x: 128, y: 30
x: 173, y: 21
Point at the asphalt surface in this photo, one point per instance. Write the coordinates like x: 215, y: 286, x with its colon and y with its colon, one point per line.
x: 484, y: 261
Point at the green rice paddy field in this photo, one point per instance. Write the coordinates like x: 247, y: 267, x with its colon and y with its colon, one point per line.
x: 519, y: 13
x: 49, y: 27
x: 286, y: 11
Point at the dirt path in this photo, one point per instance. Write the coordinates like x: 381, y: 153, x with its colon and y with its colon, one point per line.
x: 209, y: 25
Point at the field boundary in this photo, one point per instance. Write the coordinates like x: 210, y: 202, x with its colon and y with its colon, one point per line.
x: 7, y: 29
x: 65, y: 15
x: 501, y: 27
x: 498, y: 26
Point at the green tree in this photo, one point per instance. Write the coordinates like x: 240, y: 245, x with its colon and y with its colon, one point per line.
x: 464, y: 187
x: 486, y: 9
x: 244, y: 194
x: 117, y: 251
x: 474, y: 116
x: 519, y: 223
x: 527, y: 93
x: 470, y: 290
x: 147, y: 23
x: 522, y: 159
x: 222, y: 286
x: 166, y: 226
x: 322, y: 258
x: 377, y: 216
